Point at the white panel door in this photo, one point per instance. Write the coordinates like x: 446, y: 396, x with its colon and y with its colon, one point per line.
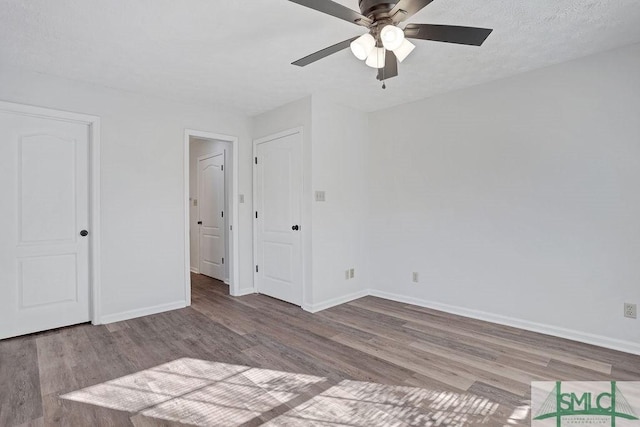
x: 278, y: 196
x: 211, y: 214
x: 44, y: 267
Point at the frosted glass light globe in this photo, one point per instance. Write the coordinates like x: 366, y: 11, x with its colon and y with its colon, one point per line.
x: 362, y: 46
x: 404, y: 50
x: 376, y: 58
x: 392, y: 37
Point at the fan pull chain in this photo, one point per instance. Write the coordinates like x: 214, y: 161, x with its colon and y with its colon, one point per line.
x: 384, y: 66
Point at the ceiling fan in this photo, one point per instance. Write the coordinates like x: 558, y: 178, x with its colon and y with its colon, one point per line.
x: 386, y: 43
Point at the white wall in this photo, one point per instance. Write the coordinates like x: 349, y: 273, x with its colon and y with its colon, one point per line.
x: 201, y: 147
x: 517, y: 198
x: 142, y: 184
x: 339, y: 150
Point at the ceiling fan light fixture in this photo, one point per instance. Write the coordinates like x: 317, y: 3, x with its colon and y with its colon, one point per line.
x: 392, y: 37
x: 404, y: 50
x: 362, y: 46
x: 376, y: 58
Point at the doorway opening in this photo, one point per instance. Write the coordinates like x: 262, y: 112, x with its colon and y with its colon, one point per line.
x: 211, y: 210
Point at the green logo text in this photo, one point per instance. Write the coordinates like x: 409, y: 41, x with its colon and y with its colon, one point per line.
x: 610, y: 403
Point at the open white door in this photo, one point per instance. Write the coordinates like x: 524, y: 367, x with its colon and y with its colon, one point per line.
x: 277, y: 201
x: 211, y: 195
x: 44, y: 218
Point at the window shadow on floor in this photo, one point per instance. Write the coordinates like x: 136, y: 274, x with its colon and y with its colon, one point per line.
x: 209, y: 393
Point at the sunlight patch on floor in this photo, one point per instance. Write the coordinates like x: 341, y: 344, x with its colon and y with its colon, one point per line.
x: 205, y: 393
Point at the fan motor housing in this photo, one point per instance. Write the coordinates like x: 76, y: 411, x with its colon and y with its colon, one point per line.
x: 376, y: 9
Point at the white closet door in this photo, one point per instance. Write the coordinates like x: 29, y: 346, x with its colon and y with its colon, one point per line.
x: 278, y: 196
x: 44, y: 264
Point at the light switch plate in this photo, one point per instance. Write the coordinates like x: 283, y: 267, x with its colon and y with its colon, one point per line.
x: 241, y: 198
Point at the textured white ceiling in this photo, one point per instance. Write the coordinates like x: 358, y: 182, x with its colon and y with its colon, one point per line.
x: 237, y: 53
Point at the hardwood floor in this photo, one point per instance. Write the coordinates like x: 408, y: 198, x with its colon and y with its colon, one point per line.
x: 255, y: 360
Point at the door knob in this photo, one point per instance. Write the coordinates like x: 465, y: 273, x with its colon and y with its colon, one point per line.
x: 199, y: 222
x: 84, y: 233
x: 295, y: 228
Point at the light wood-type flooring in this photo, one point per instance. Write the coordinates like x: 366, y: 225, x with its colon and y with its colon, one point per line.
x: 255, y: 360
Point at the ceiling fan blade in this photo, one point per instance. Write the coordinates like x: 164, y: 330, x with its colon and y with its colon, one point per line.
x: 390, y: 66
x: 335, y: 9
x: 405, y: 9
x: 448, y: 33
x: 323, y: 53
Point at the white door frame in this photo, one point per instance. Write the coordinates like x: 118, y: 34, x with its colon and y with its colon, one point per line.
x: 93, y: 123
x: 303, y: 223
x: 234, y: 253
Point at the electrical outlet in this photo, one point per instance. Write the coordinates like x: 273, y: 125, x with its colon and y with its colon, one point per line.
x: 346, y: 274
x: 415, y: 277
x: 630, y: 310
x: 321, y: 196
x: 352, y: 273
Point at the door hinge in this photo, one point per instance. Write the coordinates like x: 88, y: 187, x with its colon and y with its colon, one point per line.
x: 231, y: 227
x: 256, y: 214
x: 256, y: 160
x: 256, y: 268
x: 222, y: 213
x: 223, y: 260
x: 221, y: 167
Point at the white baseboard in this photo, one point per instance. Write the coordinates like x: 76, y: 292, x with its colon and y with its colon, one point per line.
x: 147, y: 311
x: 599, y: 340
x: 314, y: 308
x: 194, y: 270
x: 243, y: 292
